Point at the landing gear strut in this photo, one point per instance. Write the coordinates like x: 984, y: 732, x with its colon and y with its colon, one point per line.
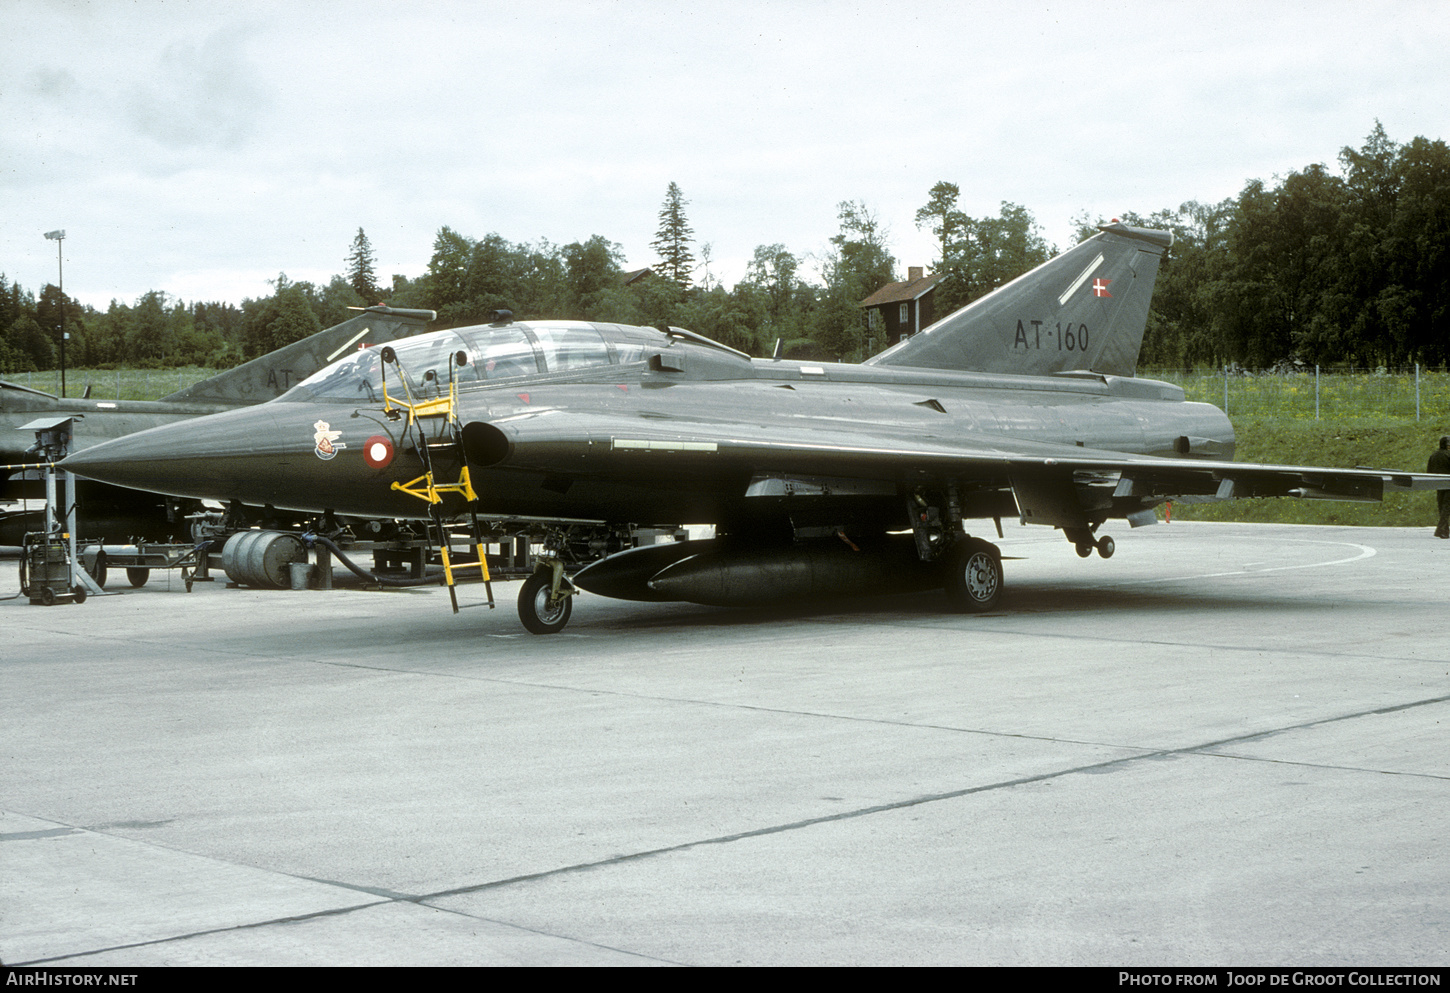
x: 547, y: 597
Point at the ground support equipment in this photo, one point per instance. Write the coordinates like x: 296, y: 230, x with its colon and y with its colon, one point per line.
x: 141, y: 558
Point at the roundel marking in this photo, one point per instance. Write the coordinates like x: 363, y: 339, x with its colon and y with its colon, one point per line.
x: 378, y: 451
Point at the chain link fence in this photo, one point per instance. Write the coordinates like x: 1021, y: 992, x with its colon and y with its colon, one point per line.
x: 114, y: 384
x: 1315, y: 394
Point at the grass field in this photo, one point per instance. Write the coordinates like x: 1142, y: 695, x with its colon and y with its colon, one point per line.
x: 1365, y: 419
x: 1376, y: 442
x: 114, y: 384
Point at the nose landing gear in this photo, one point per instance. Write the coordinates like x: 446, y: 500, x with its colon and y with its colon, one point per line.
x: 547, y: 597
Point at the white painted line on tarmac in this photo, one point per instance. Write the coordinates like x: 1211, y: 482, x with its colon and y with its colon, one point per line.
x: 1253, y: 568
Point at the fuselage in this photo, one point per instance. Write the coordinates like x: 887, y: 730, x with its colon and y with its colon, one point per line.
x: 606, y: 423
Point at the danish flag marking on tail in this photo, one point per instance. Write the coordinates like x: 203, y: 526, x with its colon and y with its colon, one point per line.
x: 1100, y: 287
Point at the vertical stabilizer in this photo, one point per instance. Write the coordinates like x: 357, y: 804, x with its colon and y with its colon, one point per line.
x: 275, y: 373
x: 1085, y: 309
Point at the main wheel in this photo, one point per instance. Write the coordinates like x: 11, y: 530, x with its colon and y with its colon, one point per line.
x: 540, y: 613
x: 99, y: 572
x: 974, y: 575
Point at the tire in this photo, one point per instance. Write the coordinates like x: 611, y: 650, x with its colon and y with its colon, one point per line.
x: 538, y: 614
x: 1106, y: 546
x: 80, y: 594
x: 137, y: 575
x: 99, y: 575
x: 974, y: 577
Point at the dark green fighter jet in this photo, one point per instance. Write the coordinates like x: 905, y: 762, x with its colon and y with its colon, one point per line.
x: 820, y: 478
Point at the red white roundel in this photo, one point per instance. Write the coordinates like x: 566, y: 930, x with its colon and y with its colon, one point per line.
x: 378, y: 451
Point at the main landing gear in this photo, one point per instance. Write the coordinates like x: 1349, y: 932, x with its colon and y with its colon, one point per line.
x: 974, y: 575
x: 971, y: 567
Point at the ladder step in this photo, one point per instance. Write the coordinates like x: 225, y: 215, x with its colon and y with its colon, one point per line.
x: 460, y: 566
x: 433, y: 408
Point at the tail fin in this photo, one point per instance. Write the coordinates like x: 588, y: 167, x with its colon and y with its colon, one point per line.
x: 1085, y: 309
x: 277, y: 372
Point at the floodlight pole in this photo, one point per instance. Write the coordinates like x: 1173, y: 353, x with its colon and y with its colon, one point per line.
x: 59, y: 238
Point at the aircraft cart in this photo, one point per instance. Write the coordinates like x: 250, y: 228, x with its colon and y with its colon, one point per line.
x: 141, y: 558
x: 45, y: 571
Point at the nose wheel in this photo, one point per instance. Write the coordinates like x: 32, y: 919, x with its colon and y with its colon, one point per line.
x: 540, y: 611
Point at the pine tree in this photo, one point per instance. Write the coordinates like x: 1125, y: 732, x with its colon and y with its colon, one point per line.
x: 360, y: 273
x: 672, y: 241
x: 945, y: 220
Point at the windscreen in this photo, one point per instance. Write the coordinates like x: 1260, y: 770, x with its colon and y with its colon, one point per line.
x: 498, y: 354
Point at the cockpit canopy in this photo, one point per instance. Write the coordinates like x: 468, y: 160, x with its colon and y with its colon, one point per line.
x: 493, y: 353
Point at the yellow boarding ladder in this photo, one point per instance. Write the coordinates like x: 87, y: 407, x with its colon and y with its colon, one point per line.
x: 426, y: 487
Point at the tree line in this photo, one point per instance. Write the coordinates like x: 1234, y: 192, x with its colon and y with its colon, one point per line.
x: 1318, y: 268
x: 1315, y: 267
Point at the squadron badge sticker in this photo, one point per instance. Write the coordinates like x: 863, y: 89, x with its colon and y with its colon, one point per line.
x: 326, y: 441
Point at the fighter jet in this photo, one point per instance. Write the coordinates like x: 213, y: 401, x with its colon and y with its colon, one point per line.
x: 122, y: 514
x: 820, y: 478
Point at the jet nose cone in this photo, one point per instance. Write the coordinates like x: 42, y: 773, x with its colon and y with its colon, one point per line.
x: 218, y: 456
x: 298, y: 456
x: 135, y: 461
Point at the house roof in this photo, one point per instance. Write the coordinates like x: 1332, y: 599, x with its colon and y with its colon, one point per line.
x: 911, y: 289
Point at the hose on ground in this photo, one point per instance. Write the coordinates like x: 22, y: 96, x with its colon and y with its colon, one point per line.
x: 364, y: 574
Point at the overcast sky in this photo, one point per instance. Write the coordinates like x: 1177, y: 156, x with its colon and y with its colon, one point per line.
x: 200, y: 148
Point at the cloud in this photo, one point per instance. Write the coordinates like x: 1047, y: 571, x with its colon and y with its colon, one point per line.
x: 199, y: 95
x: 180, y: 141
x: 52, y: 84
